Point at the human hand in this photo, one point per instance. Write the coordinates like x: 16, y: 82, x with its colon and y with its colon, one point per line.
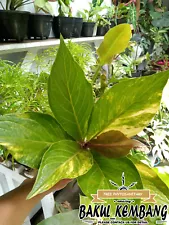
x: 60, y: 185
x: 28, y: 184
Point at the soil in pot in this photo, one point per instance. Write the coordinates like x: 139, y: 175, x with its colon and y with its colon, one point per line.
x: 39, y: 26
x: 78, y: 23
x: 101, y: 31
x: 63, y: 25
x: 87, y: 29
x: 13, y: 25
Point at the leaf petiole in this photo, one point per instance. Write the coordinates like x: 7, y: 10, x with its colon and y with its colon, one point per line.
x: 96, y: 73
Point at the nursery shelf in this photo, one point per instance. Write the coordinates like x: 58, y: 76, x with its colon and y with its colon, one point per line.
x: 41, y: 44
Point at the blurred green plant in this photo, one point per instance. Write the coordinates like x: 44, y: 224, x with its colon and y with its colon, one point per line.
x: 156, y: 135
x: 89, y: 15
x: 154, y: 27
x: 126, y: 64
x: 64, y: 7
x: 101, y: 21
x: 82, y: 53
x: 14, y: 4
x: 22, y: 91
x: 43, y: 5
x: 97, y: 7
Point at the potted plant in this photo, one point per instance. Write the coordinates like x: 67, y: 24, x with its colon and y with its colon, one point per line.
x: 90, y: 18
x: 88, y: 24
x: 13, y: 23
x: 40, y: 25
x: 121, y: 14
x: 64, y: 23
x: 102, y: 26
x: 111, y: 15
x: 77, y: 30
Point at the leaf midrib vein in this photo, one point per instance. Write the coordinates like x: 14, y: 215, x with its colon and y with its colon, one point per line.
x: 71, y: 102
x: 58, y: 168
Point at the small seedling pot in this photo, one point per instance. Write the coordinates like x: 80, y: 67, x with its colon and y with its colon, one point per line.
x: 87, y: 29
x: 39, y: 26
x: 101, y: 31
x: 78, y: 23
x: 13, y: 25
x: 63, y: 25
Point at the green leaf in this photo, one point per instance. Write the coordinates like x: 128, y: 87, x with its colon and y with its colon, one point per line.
x: 70, y: 218
x: 40, y: 3
x: 48, y: 8
x: 43, y: 5
x: 115, y: 41
x: 141, y: 156
x: 27, y: 136
x: 161, y: 23
x: 163, y: 173
x: 113, y: 144
x: 63, y: 160
x: 84, y: 200
x: 96, y: 3
x: 105, y: 169
x: 152, y: 182
x: 70, y: 94
x: 128, y: 106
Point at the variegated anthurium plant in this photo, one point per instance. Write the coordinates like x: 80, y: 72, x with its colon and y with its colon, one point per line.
x: 88, y: 139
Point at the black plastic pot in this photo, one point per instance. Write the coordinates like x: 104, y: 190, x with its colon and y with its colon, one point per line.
x: 78, y: 23
x: 13, y: 25
x: 149, y: 73
x: 39, y: 26
x: 137, y: 74
x: 112, y: 24
x: 87, y: 29
x: 151, y: 47
x: 101, y: 31
x: 122, y: 20
x: 63, y: 25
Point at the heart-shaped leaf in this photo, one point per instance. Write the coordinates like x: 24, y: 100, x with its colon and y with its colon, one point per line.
x: 115, y: 41
x: 113, y: 144
x: 70, y: 94
x: 64, y: 159
x: 109, y: 174
x: 104, y: 170
x: 128, y: 106
x: 27, y: 136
